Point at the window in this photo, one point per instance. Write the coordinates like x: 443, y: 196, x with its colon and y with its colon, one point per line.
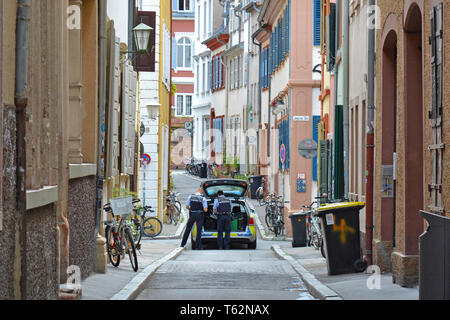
x: 205, y: 12
x: 188, y: 101
x: 197, y: 75
x: 204, y: 77
x: 180, y: 105
x: 217, y: 76
x: 184, y: 53
x: 198, y: 21
x: 184, y: 5
x: 184, y: 105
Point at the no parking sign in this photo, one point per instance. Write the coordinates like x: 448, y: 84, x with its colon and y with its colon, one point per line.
x: 283, y: 153
x: 146, y: 159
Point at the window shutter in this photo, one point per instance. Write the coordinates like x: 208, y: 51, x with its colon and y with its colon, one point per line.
x: 316, y: 121
x: 144, y: 62
x: 331, y: 37
x: 323, y: 155
x: 437, y: 146
x: 216, y: 73
x: 209, y: 75
x: 175, y: 5
x: 317, y: 13
x: 219, y: 60
x: 174, y: 53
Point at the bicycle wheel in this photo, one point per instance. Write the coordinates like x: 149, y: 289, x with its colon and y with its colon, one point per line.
x: 269, y: 218
x: 169, y: 215
x: 137, y: 230
x: 131, y: 249
x: 111, y: 246
x: 176, y: 215
x: 152, y: 227
x: 178, y: 205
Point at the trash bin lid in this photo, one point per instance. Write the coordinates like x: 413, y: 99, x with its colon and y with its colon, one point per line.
x: 341, y: 205
x: 296, y: 214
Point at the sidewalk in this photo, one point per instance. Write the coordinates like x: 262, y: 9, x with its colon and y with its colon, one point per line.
x: 312, y: 268
x: 123, y: 283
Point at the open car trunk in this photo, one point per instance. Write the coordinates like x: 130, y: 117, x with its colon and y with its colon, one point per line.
x: 239, y: 217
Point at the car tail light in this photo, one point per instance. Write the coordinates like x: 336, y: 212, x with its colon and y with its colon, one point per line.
x: 251, y: 221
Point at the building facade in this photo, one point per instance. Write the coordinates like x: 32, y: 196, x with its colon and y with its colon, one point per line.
x: 183, y: 39
x: 293, y: 97
x: 155, y: 90
x: 411, y: 49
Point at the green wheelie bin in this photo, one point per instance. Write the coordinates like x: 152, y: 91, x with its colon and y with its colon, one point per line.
x: 340, y: 229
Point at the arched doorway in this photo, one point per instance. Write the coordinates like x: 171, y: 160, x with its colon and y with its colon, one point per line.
x: 413, y: 129
x: 389, y: 134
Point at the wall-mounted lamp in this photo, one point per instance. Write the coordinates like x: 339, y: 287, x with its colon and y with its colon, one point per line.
x: 141, y: 34
x: 278, y: 108
x: 153, y: 110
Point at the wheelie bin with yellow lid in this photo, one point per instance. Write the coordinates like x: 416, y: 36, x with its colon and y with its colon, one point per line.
x: 340, y: 228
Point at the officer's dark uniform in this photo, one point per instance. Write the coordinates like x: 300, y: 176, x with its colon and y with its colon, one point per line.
x: 196, y: 205
x: 223, y: 207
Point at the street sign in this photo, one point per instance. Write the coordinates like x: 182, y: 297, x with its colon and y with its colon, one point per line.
x: 301, y: 118
x: 283, y: 153
x: 188, y: 125
x: 307, y: 148
x: 146, y: 159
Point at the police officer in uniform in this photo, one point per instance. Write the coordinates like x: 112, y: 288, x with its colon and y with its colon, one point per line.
x: 222, y: 208
x: 196, y: 204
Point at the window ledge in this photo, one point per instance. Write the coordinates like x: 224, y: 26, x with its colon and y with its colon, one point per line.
x: 42, y: 197
x: 82, y: 170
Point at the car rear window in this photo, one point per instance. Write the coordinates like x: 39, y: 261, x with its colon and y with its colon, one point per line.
x: 228, y: 191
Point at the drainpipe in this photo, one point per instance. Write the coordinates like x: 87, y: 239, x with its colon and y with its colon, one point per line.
x: 236, y: 10
x: 370, y: 144
x: 345, y: 56
x: 21, y: 102
x: 101, y: 121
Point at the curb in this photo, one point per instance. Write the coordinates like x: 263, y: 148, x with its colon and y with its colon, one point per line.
x: 315, y: 287
x: 135, y: 286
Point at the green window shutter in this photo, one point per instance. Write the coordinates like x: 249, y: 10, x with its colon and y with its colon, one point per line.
x: 339, y: 153
x: 323, y: 162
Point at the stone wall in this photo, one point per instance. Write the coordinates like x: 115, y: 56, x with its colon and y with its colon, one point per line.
x: 41, y: 258
x: 81, y: 206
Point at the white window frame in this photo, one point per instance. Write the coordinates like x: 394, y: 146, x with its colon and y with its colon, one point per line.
x: 181, y: 49
x: 185, y: 2
x: 184, y: 107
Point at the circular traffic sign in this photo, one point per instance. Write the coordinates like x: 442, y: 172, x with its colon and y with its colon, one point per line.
x: 308, y: 148
x: 283, y: 153
x: 146, y: 159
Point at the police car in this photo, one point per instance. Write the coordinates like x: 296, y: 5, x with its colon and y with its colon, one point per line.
x: 243, y: 227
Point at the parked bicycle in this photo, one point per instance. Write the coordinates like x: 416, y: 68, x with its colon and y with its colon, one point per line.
x: 278, y: 227
x: 150, y: 226
x: 313, y: 227
x: 260, y: 192
x: 173, y: 209
x: 275, y: 213
x: 119, y: 239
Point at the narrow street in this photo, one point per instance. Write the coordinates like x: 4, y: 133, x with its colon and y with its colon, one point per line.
x: 210, y: 274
